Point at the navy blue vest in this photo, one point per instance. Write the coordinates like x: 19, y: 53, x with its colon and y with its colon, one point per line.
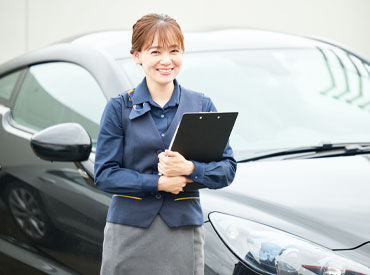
x: 140, y: 131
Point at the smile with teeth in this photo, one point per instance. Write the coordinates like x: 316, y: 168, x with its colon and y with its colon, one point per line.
x: 165, y: 70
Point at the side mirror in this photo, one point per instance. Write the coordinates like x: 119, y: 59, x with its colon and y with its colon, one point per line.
x: 62, y: 142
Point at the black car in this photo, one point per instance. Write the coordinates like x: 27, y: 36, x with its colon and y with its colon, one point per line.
x: 299, y: 203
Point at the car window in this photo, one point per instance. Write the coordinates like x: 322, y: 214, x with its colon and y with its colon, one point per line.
x: 59, y: 92
x: 7, y: 84
x: 285, y: 97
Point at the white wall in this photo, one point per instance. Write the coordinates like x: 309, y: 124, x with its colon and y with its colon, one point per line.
x: 30, y: 24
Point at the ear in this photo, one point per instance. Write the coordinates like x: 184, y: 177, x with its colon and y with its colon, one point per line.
x: 137, y: 57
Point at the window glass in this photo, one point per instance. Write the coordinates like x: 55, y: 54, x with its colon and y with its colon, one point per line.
x: 59, y: 92
x: 285, y: 97
x: 7, y: 84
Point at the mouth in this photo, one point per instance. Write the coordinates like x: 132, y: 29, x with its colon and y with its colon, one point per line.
x: 165, y: 70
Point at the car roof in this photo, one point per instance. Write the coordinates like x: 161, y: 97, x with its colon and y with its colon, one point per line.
x: 97, y: 51
x: 118, y: 42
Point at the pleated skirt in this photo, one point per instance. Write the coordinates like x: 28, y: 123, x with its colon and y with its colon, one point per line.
x: 158, y: 249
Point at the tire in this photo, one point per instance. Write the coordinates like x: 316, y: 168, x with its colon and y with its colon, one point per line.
x: 28, y: 212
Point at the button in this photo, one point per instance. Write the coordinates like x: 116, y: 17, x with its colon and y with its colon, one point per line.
x: 158, y: 196
x: 196, y: 177
x: 162, y: 116
x: 162, y: 134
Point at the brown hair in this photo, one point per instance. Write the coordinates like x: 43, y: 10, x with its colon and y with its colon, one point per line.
x: 146, y: 28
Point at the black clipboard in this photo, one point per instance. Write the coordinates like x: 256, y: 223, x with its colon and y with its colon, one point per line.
x: 203, y: 137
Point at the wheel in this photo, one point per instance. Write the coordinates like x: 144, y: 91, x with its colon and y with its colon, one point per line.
x: 28, y: 212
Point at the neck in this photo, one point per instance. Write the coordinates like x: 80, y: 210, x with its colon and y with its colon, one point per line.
x: 161, y: 94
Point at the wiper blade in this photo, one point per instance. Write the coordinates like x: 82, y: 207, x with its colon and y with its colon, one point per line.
x: 339, y: 148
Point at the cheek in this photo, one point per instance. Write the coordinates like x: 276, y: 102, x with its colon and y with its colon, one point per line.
x: 178, y: 61
x: 149, y: 62
x: 147, y: 66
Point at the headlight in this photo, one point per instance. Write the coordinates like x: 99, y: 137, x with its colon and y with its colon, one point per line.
x: 272, y: 251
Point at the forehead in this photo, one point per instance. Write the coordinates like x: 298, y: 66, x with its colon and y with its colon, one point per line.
x: 163, y: 39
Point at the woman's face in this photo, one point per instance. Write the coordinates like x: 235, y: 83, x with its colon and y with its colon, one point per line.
x: 160, y: 63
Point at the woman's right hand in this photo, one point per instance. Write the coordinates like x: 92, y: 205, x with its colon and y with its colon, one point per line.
x: 172, y: 185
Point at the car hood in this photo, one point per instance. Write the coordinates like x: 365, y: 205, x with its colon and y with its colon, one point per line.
x: 324, y: 200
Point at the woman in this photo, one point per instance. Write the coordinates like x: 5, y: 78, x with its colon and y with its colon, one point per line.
x: 153, y: 226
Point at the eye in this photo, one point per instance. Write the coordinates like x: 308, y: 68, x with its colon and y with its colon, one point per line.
x: 154, y: 52
x: 175, y: 51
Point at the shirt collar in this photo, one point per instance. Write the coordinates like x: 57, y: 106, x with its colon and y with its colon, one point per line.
x: 141, y: 98
x: 142, y: 94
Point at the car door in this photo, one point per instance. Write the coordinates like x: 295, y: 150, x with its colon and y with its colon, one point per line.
x: 53, y: 206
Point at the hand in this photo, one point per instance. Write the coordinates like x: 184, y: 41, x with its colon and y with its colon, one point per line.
x: 172, y: 164
x: 173, y: 185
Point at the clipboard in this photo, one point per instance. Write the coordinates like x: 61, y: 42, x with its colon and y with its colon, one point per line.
x: 203, y: 137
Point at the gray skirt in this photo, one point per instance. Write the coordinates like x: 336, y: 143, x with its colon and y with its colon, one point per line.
x: 158, y: 249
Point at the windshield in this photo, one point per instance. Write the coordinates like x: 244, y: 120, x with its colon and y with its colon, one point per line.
x: 285, y: 97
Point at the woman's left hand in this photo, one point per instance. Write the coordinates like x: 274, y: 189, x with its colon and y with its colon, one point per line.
x: 173, y: 164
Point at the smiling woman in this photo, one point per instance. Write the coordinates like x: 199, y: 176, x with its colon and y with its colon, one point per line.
x: 151, y: 221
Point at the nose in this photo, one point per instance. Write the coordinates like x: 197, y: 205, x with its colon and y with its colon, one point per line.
x: 165, y: 60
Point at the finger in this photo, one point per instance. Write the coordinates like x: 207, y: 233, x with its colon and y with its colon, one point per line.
x: 170, y: 153
x: 161, y: 156
x: 163, y: 159
x: 188, y: 180
x: 162, y: 169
